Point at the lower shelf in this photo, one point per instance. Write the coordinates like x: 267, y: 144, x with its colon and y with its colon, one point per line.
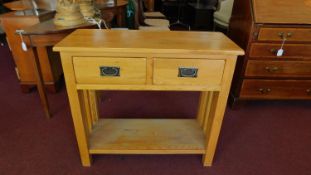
x: 147, y: 136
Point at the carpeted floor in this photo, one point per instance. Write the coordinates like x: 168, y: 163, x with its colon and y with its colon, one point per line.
x: 261, y: 138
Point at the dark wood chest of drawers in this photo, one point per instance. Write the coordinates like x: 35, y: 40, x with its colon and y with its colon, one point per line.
x: 262, y: 28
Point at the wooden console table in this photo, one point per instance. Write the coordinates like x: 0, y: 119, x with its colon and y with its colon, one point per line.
x: 154, y: 61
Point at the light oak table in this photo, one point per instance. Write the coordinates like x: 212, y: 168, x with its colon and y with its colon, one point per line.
x: 153, y: 61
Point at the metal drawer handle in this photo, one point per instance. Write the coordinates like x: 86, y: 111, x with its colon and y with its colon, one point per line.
x: 188, y: 72
x: 264, y: 90
x: 275, y: 51
x: 282, y: 35
x: 308, y: 91
x: 271, y: 69
x: 109, y: 71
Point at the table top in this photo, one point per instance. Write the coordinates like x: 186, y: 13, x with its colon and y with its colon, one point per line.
x: 48, y: 27
x: 149, y: 41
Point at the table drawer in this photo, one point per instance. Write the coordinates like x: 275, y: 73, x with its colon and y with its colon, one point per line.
x: 276, y: 89
x: 188, y: 71
x: 105, y: 70
x: 258, y: 68
x: 290, y: 50
x: 291, y: 34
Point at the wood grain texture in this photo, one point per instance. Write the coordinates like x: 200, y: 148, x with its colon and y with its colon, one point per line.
x: 203, y: 100
x: 294, y: 69
x: 291, y: 34
x: 166, y: 71
x: 160, y: 42
x: 76, y: 109
x: 270, y: 50
x: 276, y: 89
x: 216, y: 113
x: 132, y: 70
x: 93, y: 105
x: 147, y: 136
x: 284, y: 12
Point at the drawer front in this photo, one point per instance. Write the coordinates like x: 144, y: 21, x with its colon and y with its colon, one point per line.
x: 276, y: 89
x: 257, y: 68
x: 291, y: 34
x: 188, y: 71
x: 290, y: 50
x: 104, y: 70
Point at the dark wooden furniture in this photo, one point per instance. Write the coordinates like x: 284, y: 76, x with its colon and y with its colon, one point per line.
x: 51, y: 68
x: 118, y: 9
x: 40, y: 36
x: 260, y: 27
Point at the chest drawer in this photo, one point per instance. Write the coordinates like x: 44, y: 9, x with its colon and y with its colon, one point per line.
x: 104, y: 70
x: 276, y: 89
x: 257, y: 68
x: 290, y: 50
x: 291, y: 34
x: 188, y: 71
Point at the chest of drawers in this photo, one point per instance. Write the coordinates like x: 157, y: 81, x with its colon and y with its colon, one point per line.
x: 154, y: 61
x: 262, y: 28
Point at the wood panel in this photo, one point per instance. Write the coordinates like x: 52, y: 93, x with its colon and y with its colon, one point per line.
x: 291, y: 34
x: 134, y: 41
x: 290, y: 50
x: 152, y: 136
x: 282, y: 12
x: 209, y: 72
x: 261, y: 68
x: 132, y: 70
x: 276, y: 89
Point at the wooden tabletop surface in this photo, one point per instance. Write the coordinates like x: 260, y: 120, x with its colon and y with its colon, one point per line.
x: 148, y: 41
x: 48, y: 27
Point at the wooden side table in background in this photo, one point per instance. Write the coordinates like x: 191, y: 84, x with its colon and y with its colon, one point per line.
x: 39, y: 38
x: 51, y: 68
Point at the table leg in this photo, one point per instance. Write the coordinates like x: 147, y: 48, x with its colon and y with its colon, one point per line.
x: 76, y: 110
x: 40, y: 84
x: 215, y: 116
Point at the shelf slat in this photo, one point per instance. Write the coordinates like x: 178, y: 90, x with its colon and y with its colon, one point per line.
x: 147, y: 136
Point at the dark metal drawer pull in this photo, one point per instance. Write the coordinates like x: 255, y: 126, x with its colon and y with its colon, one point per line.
x: 264, y: 90
x: 282, y: 35
x: 188, y: 72
x: 109, y: 71
x: 272, y: 69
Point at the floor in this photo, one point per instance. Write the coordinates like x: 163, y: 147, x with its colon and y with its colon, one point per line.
x: 260, y: 138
